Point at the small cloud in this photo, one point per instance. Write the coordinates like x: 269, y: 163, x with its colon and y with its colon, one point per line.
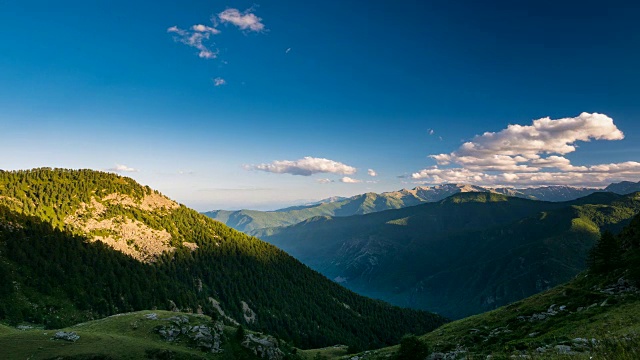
x: 372, y: 173
x: 122, y: 168
x: 196, y: 38
x: 287, y: 51
x: 204, y: 28
x: 243, y: 20
x: 306, y: 166
x: 181, y: 172
x: 219, y: 81
x: 324, y: 181
x: 349, y: 180
x: 431, y: 132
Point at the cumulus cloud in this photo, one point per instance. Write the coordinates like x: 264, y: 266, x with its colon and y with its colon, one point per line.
x: 119, y: 168
x: 349, y: 180
x: 245, y: 20
x: 531, y: 155
x: 306, y: 166
x: 324, y: 181
x: 372, y: 173
x: 514, y: 148
x: 196, y: 38
x: 219, y: 81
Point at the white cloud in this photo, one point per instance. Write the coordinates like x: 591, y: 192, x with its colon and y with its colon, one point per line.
x: 324, y: 181
x: 515, y: 147
x: 122, y: 168
x: 532, y: 155
x: 196, y: 38
x: 431, y: 132
x: 244, y: 20
x: 372, y: 173
x: 349, y: 180
x: 287, y: 51
x: 204, y: 28
x: 306, y: 166
x: 219, y: 81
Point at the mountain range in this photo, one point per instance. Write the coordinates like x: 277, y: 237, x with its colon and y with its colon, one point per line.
x: 77, y: 245
x: 463, y: 255
x: 250, y: 220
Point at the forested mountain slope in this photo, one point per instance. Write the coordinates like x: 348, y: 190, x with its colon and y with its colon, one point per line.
x: 466, y: 254
x: 80, y: 244
x: 596, y: 315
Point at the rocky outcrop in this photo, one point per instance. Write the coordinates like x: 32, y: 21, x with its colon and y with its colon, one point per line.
x: 552, y: 311
x: 263, y: 346
x: 66, y: 336
x: 204, y: 337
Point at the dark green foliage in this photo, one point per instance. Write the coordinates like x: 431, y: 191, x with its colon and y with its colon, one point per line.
x: 240, y: 333
x: 594, y: 309
x: 412, y: 348
x: 90, y: 357
x: 319, y: 356
x: 606, y: 254
x: 61, y: 278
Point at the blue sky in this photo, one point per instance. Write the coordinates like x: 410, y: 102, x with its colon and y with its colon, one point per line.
x: 278, y: 102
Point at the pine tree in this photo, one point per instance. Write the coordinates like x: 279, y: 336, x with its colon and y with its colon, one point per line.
x: 605, y: 255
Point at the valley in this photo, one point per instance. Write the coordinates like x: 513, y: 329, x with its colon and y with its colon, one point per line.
x: 67, y: 255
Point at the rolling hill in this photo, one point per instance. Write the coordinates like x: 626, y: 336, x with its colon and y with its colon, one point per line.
x: 463, y: 255
x: 595, y: 315
x: 77, y: 245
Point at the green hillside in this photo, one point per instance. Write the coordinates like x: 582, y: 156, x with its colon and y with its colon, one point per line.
x: 596, y: 315
x: 77, y: 245
x: 134, y: 336
x: 467, y: 254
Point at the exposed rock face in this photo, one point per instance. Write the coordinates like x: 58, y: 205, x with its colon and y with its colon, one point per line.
x: 216, y: 305
x: 150, y: 202
x: 249, y: 315
x: 264, y: 346
x: 191, y: 246
x: 126, y: 235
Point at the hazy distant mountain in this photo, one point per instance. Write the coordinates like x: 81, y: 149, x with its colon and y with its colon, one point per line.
x: 547, y: 193
x: 625, y: 187
x: 463, y: 255
x: 251, y: 220
x: 312, y: 204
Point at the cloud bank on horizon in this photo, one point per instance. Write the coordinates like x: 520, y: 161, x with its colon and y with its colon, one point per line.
x: 531, y: 155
